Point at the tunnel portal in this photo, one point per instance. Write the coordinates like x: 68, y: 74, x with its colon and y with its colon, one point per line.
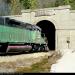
x: 48, y: 29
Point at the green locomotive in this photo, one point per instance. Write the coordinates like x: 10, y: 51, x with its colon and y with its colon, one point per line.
x: 17, y: 36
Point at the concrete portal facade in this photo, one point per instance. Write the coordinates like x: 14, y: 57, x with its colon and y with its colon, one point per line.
x: 62, y: 18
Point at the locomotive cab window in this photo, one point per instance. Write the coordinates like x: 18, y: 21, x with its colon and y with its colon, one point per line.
x: 12, y: 22
x: 1, y: 21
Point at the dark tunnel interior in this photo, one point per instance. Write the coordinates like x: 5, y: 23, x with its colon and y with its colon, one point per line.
x: 48, y: 29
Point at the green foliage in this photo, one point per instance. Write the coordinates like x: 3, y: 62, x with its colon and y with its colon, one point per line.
x: 55, y: 3
x: 59, y: 3
x: 25, y: 3
x: 8, y: 1
x: 15, y: 7
x: 33, y: 4
x: 72, y: 3
x: 29, y: 4
x: 65, y: 2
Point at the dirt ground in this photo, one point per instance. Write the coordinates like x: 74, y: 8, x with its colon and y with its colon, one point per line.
x: 34, y: 62
x: 40, y: 62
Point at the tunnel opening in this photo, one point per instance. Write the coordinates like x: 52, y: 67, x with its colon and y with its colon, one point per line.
x: 48, y: 29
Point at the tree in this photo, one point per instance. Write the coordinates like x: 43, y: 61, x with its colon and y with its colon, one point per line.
x: 25, y: 4
x: 33, y: 4
x: 70, y: 2
x: 57, y: 3
x: 7, y: 1
x: 15, y: 7
x: 29, y: 4
x: 65, y: 2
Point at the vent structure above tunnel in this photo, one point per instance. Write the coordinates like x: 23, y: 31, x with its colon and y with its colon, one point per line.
x: 48, y: 29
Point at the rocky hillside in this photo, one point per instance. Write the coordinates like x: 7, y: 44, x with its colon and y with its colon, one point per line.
x: 4, y: 8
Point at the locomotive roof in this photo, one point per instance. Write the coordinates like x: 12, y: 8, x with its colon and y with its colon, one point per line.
x: 21, y: 24
x: 26, y: 25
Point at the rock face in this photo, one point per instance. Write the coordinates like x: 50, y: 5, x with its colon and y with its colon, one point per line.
x: 4, y: 8
x: 66, y: 63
